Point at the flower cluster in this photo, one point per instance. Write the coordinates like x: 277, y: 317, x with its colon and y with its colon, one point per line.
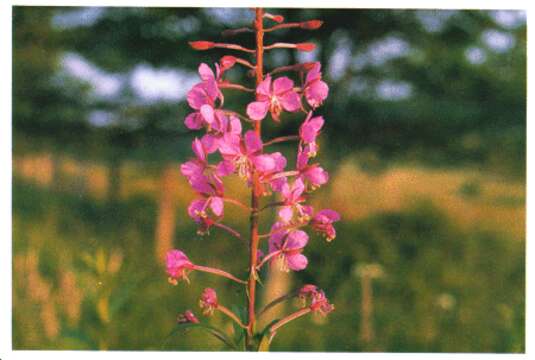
x: 231, y: 145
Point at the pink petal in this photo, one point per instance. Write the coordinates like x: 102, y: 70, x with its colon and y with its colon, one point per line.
x: 316, y: 93
x: 286, y: 213
x: 210, y: 143
x: 264, y: 88
x: 229, y: 145
x: 290, y: 101
x: 264, y: 163
x: 253, y: 143
x: 297, y: 262
x: 282, y: 85
x: 205, y: 72
x: 216, y: 204
x: 224, y: 168
x: 194, y: 121
x: 257, y: 110
x: 296, y: 239
x: 201, y: 184
x: 197, y: 96
x: 302, y: 159
x: 330, y: 214
x: 278, y: 183
x: 280, y: 161
x: 310, y: 129
x: 194, y: 207
x: 314, y: 73
x: 235, y: 125
x: 198, y: 149
x: 191, y: 168
x: 317, y: 176
x: 298, y: 188
x: 207, y: 112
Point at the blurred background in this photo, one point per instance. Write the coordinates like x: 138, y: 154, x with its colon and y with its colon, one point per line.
x: 424, y: 141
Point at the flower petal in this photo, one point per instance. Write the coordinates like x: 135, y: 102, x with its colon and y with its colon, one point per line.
x: 257, y: 110
x: 297, y: 262
x: 205, y: 72
x: 296, y: 239
x: 253, y: 143
x: 194, y: 121
x: 216, y: 204
x: 282, y: 85
x: 290, y: 101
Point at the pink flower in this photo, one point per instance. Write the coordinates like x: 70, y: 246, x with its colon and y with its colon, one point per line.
x: 208, y: 301
x: 246, y: 154
x: 220, y: 126
x: 274, y: 97
x: 309, y: 131
x: 313, y: 174
x: 322, y: 222
x: 202, y: 97
x: 318, y: 301
x: 321, y: 304
x: 198, y: 208
x: 288, y: 245
x: 315, y: 89
x: 187, y: 317
x: 178, y: 266
x: 307, y: 291
x: 292, y: 197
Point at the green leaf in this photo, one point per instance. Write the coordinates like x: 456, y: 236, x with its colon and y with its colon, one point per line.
x: 240, y: 332
x: 207, y: 328
x: 266, y: 337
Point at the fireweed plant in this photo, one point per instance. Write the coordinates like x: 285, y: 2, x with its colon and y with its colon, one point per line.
x: 242, y: 152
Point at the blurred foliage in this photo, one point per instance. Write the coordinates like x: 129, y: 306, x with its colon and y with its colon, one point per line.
x: 84, y: 272
x: 458, y: 112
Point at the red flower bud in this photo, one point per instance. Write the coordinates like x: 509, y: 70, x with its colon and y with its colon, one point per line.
x: 227, y: 62
x: 278, y: 18
x: 305, y: 46
x: 311, y: 24
x: 201, y: 45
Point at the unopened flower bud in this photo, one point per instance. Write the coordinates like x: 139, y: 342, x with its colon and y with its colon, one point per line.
x: 227, y: 62
x: 276, y: 18
x: 311, y: 24
x: 201, y: 45
x: 187, y: 317
x: 305, y: 47
x: 208, y: 301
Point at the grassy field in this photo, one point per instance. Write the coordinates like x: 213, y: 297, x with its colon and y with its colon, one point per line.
x: 447, y: 246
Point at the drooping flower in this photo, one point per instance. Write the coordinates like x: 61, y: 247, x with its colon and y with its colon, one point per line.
x: 208, y: 301
x: 288, y: 245
x: 323, y: 221
x: 316, y: 299
x: 178, y: 266
x: 315, y: 89
x: 312, y: 174
x: 321, y: 304
x: 187, y: 317
x: 274, y: 97
x: 306, y: 292
x: 292, y: 197
x: 309, y: 131
x: 202, y: 97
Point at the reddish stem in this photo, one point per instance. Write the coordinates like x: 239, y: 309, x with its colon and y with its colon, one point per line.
x: 281, y: 139
x: 218, y: 272
x: 231, y: 315
x: 289, y: 318
x: 259, y: 72
x: 229, y: 230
